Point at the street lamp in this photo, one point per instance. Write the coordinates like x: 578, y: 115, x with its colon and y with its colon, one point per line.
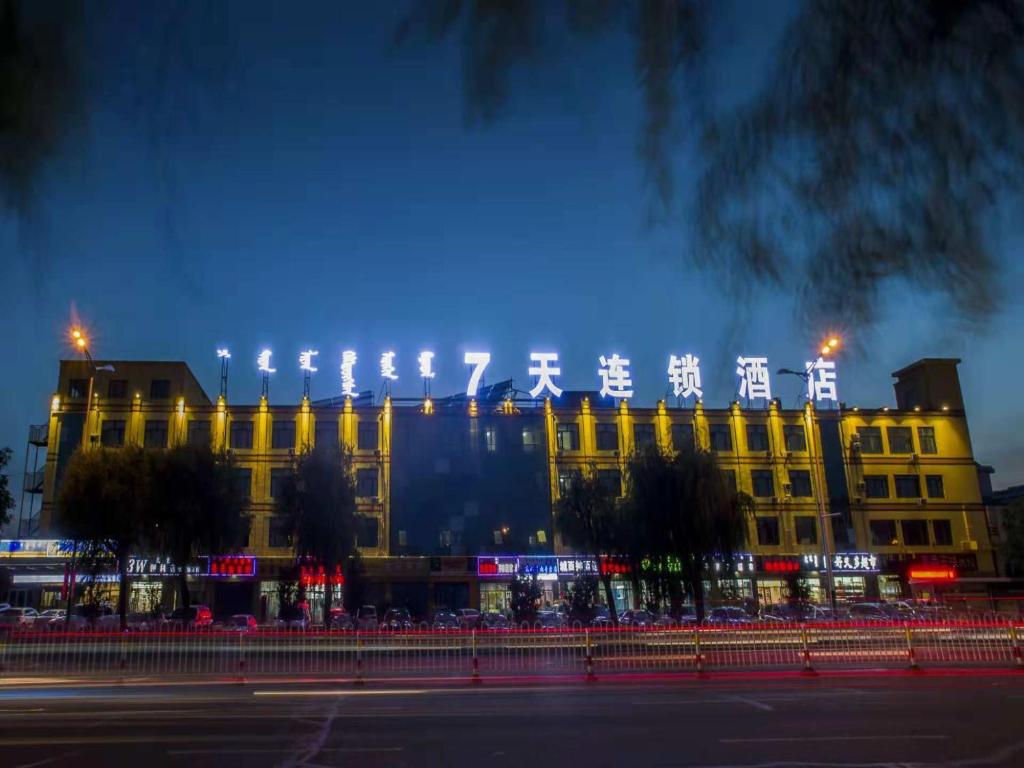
x: 81, y: 342
x: 828, y: 347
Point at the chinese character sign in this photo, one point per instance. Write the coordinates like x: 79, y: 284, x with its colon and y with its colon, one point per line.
x: 615, y: 378
x: 821, y: 380
x: 754, y: 380
x: 348, y: 382
x: 426, y: 363
x: 544, y: 371
x: 684, y: 376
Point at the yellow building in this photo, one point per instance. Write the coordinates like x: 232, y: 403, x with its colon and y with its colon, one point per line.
x: 455, y: 495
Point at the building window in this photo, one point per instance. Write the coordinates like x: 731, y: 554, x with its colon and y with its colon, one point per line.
x: 942, y: 530
x: 901, y: 440
x: 883, y: 533
x: 117, y: 389
x: 768, y: 531
x: 682, y: 437
x: 112, y: 432
x: 907, y: 486
x: 243, y: 481
x: 721, y: 437
x: 611, y: 481
x: 926, y: 437
x: 607, y: 436
x: 795, y: 438
x: 643, y: 436
x: 531, y: 440
x: 199, y: 433
x: 159, y: 389
x: 729, y: 475
x: 367, y: 435
x: 325, y: 433
x: 568, y: 436
x: 491, y: 438
x: 762, y: 482
x: 278, y: 477
x: 78, y: 388
x: 934, y: 485
x: 870, y: 439
x: 282, y: 433
x: 241, y: 434
x: 367, y: 532
x: 757, y: 437
x: 915, y: 533
x: 806, y: 529
x: 566, y: 477
x: 800, y: 483
x: 278, y: 535
x: 366, y: 483
x: 876, y: 486
x: 155, y: 433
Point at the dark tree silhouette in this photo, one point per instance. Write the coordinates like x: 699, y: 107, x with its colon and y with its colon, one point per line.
x: 198, y: 508
x: 588, y: 520
x: 6, y: 499
x: 318, y: 503
x: 876, y: 152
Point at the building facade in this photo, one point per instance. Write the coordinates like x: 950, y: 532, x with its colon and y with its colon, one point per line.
x: 455, y: 496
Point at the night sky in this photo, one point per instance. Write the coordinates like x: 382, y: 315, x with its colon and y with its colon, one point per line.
x: 296, y: 179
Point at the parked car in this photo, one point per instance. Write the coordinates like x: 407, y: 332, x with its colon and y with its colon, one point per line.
x: 900, y: 611
x: 293, y: 617
x: 83, y: 617
x: 469, y: 618
x: 636, y: 618
x: 868, y: 612
x: 602, y: 617
x: 341, y: 620
x: 397, y: 619
x: 18, y: 618
x: 366, y: 618
x: 687, y: 615
x: 242, y: 622
x: 195, y: 617
x: 727, y: 616
x: 548, y: 619
x: 494, y: 620
x: 51, y: 613
x: 445, y: 620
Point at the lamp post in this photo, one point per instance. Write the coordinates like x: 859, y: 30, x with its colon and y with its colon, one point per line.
x: 824, y: 524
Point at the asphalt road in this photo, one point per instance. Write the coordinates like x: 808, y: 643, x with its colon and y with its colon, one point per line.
x: 966, y: 721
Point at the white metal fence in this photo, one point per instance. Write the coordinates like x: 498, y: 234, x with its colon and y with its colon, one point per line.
x: 495, y: 653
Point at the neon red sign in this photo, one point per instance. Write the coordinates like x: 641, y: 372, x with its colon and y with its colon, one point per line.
x: 932, y: 573
x: 232, y: 565
x: 773, y: 565
x: 310, y: 576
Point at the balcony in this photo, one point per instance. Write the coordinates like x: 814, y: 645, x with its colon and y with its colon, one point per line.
x: 34, y: 481
x: 38, y: 434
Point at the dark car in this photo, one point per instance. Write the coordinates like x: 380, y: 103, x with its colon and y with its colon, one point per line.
x: 601, y: 618
x: 636, y: 618
x: 194, y: 617
x: 868, y: 612
x: 469, y: 618
x: 366, y: 617
x: 293, y: 617
x: 397, y: 619
x: 493, y: 620
x: 727, y: 616
x: 340, y: 620
x: 445, y: 620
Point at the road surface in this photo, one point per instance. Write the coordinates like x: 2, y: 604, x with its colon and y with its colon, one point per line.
x: 857, y: 721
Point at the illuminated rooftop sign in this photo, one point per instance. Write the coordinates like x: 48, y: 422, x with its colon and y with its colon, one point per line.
x: 614, y: 374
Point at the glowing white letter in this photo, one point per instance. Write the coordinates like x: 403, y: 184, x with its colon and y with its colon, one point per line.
x: 263, y: 362
x: 306, y: 360
x: 754, y: 381
x: 223, y: 353
x: 821, y: 380
x: 544, y: 372
x: 684, y: 376
x: 479, y: 360
x: 387, y: 366
x: 615, y: 378
x: 426, y: 361
x: 348, y: 382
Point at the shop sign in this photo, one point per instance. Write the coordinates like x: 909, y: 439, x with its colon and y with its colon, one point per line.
x: 162, y: 566
x: 231, y: 565
x: 844, y: 562
x: 963, y: 562
x: 37, y: 547
x: 316, y: 575
x: 613, y: 566
x: 544, y: 567
x: 577, y: 566
x: 779, y: 564
x: 497, y: 566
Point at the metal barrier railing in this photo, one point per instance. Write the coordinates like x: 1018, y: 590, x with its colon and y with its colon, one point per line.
x: 518, y: 651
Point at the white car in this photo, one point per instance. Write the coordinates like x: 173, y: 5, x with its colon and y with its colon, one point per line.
x: 18, y: 617
x: 52, y: 613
